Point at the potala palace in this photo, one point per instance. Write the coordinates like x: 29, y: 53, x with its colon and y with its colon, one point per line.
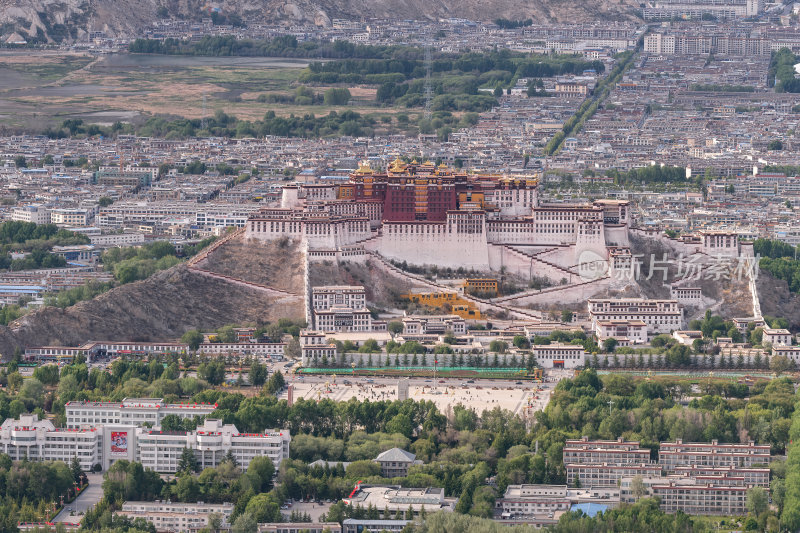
x: 424, y: 214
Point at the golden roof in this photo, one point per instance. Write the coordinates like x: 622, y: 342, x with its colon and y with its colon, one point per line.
x: 397, y: 165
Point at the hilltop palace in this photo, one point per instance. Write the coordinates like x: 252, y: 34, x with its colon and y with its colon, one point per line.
x: 423, y: 214
x: 428, y: 215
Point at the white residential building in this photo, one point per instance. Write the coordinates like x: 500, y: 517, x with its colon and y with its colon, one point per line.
x: 624, y: 331
x: 340, y: 308
x: 661, y: 316
x: 352, y: 296
x: 161, y: 450
x: 70, y: 217
x: 131, y: 411
x: 35, y: 213
x: 792, y: 352
x: 777, y: 337
x: 344, y: 319
x: 117, y: 239
x: 40, y: 440
x: 315, y: 345
x: 171, y: 517
x: 266, y: 350
x: 559, y: 355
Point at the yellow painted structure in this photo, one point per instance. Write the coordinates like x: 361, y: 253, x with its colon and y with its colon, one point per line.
x: 449, y: 302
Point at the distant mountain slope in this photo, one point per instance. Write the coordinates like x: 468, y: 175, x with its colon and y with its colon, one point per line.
x: 70, y: 19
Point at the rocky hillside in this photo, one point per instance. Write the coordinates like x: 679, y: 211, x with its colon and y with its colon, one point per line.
x: 162, y: 307
x: 277, y: 264
x: 69, y: 19
x: 777, y: 300
x: 383, y: 290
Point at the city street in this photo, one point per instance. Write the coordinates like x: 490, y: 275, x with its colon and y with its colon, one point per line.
x: 85, y: 501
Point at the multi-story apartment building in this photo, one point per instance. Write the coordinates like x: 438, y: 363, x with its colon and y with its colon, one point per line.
x: 128, y: 176
x: 750, y: 476
x: 314, y: 345
x: 585, y: 451
x: 40, y: 440
x: 131, y: 411
x: 327, y: 297
x: 693, y: 496
x: 340, y: 308
x: 686, y: 295
x: 661, y: 316
x: 607, y: 474
x: 38, y: 214
x: 343, y: 319
x: 264, y: 350
x: 161, y: 450
x: 691, y: 43
x: 70, y: 217
x: 792, y: 352
x: 672, y: 455
x: 117, y: 239
x: 170, y: 517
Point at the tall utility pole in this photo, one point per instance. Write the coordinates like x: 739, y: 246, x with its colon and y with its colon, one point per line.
x: 428, y: 90
x: 203, y: 120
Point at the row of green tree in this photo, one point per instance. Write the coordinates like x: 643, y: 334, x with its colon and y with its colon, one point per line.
x: 281, y: 46
x: 590, y: 105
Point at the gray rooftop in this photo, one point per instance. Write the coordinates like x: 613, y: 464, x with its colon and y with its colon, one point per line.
x: 396, y: 455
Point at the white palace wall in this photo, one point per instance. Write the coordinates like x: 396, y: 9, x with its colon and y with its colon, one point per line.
x: 518, y: 263
x: 321, y: 234
x: 567, y: 295
x: 617, y: 235
x: 433, y: 244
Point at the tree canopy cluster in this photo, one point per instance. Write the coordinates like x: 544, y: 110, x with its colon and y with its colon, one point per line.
x: 781, y: 71
x: 27, y: 488
x: 780, y: 260
x: 36, y: 241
